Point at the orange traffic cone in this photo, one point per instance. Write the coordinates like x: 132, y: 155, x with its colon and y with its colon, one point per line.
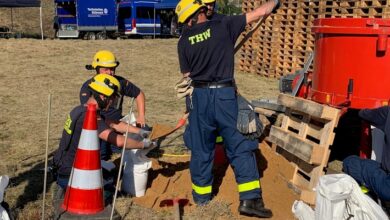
x: 84, y: 194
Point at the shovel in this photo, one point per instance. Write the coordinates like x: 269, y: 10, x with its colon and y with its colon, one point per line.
x: 161, y: 130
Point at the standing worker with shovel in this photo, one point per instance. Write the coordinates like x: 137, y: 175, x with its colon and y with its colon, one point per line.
x: 206, y: 56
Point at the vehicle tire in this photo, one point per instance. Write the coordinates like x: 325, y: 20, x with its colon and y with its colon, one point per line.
x: 172, y: 27
x: 56, y: 33
x: 101, y: 36
x: 90, y: 36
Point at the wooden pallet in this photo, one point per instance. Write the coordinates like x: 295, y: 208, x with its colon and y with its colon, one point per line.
x: 292, y: 23
x: 304, y: 138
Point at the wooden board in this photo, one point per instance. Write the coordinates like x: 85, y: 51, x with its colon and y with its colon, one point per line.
x: 300, y: 147
x: 311, y: 108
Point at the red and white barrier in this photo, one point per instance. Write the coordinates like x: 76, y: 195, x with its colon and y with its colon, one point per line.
x: 84, y: 194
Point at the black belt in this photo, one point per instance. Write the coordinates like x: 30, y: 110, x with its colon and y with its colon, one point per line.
x: 212, y: 85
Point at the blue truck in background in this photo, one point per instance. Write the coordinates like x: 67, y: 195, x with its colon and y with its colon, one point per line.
x: 102, y: 19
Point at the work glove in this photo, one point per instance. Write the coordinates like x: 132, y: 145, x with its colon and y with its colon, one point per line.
x: 248, y: 121
x: 183, y: 88
x: 243, y: 121
x: 252, y: 122
x: 187, y: 92
x: 183, y: 82
x: 144, y: 133
x: 149, y: 143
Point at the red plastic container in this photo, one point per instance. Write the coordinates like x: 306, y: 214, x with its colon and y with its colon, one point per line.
x: 352, y: 62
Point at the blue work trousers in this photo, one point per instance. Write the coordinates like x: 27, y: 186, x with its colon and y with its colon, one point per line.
x: 370, y: 174
x: 212, y: 110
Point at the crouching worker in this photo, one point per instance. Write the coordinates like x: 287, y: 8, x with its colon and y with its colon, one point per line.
x: 372, y: 174
x: 104, y: 91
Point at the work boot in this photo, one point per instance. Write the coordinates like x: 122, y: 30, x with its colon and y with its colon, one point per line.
x: 254, y: 207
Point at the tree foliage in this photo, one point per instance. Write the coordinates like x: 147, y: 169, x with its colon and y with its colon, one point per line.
x: 227, y: 8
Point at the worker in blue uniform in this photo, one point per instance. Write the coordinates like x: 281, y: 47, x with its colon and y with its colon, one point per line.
x: 206, y: 56
x: 104, y: 90
x: 372, y: 174
x: 105, y: 62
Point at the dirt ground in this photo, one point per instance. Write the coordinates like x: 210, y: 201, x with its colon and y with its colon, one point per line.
x: 173, y: 174
x: 33, y: 69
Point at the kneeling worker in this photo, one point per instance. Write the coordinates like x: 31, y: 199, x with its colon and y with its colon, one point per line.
x: 104, y: 91
x: 370, y: 173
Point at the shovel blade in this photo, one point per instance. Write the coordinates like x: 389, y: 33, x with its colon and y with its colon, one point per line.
x: 160, y: 130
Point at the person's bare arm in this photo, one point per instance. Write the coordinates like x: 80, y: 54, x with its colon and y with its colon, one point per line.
x: 261, y: 11
x: 119, y: 140
x: 141, y: 108
x: 121, y: 127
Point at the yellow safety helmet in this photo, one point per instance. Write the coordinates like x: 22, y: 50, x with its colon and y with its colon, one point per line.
x: 104, y: 58
x: 105, y: 84
x: 186, y: 8
x: 208, y: 1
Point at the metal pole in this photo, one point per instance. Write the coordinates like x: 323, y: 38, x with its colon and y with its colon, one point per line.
x: 154, y: 18
x: 121, y: 163
x: 46, y: 156
x: 40, y: 20
x: 12, y: 20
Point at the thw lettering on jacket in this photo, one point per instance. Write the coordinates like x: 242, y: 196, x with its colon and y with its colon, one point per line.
x: 200, y: 37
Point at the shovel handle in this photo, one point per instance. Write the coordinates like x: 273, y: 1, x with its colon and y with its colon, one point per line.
x: 177, y: 209
x: 182, y: 120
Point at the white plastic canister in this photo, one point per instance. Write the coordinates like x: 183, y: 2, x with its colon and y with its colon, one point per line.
x: 136, y: 166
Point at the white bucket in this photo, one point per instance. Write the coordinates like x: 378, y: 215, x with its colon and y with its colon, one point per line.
x: 135, y: 172
x: 3, y: 214
x: 4, y: 180
x: 136, y: 166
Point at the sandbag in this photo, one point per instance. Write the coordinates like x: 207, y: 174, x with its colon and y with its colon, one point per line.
x: 339, y: 197
x: 302, y: 211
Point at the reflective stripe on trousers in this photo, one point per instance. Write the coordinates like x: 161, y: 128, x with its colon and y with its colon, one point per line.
x: 201, y: 190
x: 244, y: 187
x: 370, y: 174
